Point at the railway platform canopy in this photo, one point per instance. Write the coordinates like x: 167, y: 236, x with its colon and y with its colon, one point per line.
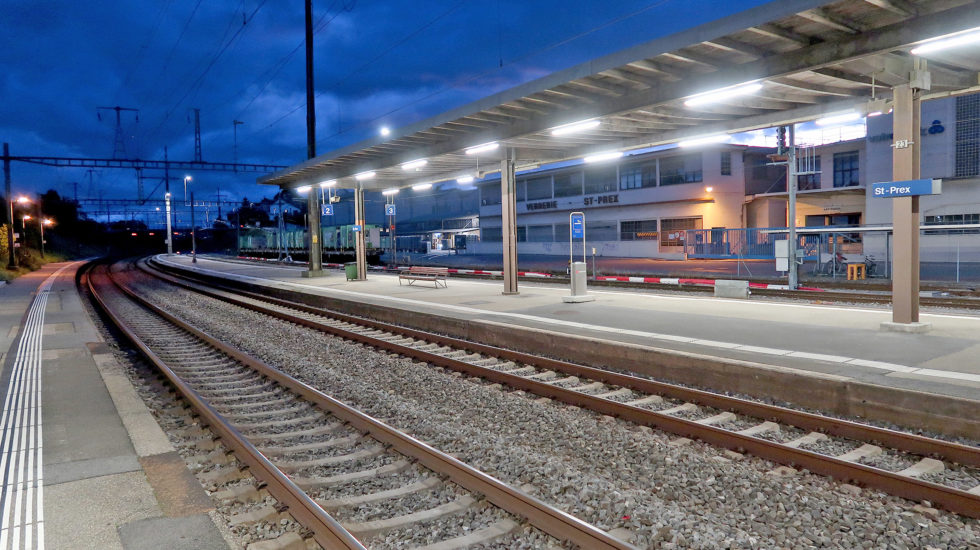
x: 782, y: 63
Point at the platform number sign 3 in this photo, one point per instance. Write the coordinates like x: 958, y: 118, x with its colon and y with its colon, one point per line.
x: 389, y: 210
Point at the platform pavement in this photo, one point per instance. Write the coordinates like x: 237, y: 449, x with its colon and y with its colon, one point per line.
x: 838, y: 340
x: 105, y: 475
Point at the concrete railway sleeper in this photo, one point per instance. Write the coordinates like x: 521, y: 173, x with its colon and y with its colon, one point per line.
x: 316, y: 453
x: 906, y: 465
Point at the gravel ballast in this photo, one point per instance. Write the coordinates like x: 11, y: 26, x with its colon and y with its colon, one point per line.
x: 607, y: 472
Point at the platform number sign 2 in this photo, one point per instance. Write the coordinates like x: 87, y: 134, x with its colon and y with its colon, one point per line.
x: 389, y: 210
x: 326, y: 210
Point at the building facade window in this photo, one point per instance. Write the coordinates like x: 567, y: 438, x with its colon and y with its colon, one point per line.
x: 638, y: 230
x: 538, y: 188
x: 540, y: 234
x: 600, y: 180
x: 637, y: 176
x: 807, y: 182
x: 967, y: 136
x: 568, y: 185
x: 489, y: 195
x: 953, y: 219
x: 601, y: 231
x: 846, y: 169
x: 491, y: 234
x: 673, y: 231
x: 681, y: 169
x: 726, y: 163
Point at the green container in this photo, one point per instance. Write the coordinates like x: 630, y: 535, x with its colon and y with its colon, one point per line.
x: 351, y: 269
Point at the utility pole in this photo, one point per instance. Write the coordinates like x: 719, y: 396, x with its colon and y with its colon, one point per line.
x: 197, y: 135
x: 193, y: 233
x: 12, y: 261
x: 312, y: 198
x: 219, y: 201
x: 139, y: 183
x: 166, y: 196
x: 234, y: 126
x: 119, y: 146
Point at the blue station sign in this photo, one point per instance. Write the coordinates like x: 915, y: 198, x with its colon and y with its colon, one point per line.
x: 910, y: 188
x: 326, y: 210
x: 578, y: 226
x: 389, y: 210
x: 356, y: 228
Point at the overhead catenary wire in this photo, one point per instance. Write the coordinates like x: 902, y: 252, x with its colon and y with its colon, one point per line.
x: 214, y: 59
x: 491, y: 70
x: 461, y: 82
x: 368, y: 63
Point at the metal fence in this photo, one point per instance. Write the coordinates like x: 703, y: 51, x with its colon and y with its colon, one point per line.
x: 947, y: 253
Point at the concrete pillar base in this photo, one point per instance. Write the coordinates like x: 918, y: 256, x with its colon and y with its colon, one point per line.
x: 577, y: 299
x: 309, y: 274
x: 505, y: 293
x: 911, y: 328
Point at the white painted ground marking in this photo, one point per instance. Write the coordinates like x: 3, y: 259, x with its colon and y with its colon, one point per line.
x: 21, y: 461
x: 878, y: 365
x: 881, y: 365
x: 820, y: 356
x: 947, y: 374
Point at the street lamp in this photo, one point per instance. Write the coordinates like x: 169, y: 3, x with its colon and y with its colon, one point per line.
x: 186, y: 179
x: 42, y: 223
x: 10, y: 234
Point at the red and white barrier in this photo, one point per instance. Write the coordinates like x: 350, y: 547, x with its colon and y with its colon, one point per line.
x: 700, y: 282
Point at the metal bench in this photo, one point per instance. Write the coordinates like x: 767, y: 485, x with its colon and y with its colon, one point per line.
x: 419, y: 273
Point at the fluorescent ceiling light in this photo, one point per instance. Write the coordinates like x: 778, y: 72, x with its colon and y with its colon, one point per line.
x: 482, y: 148
x: 723, y: 94
x: 389, y: 191
x: 465, y: 179
x: 414, y: 164
x: 599, y: 157
x: 421, y: 187
x: 839, y: 119
x: 720, y: 138
x: 575, y: 127
x: 303, y: 188
x: 328, y: 183
x: 963, y: 39
x: 364, y: 176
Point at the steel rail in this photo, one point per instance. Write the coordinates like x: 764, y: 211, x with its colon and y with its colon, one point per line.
x: 549, y: 519
x: 955, y: 500
x: 327, y: 531
x: 898, y: 440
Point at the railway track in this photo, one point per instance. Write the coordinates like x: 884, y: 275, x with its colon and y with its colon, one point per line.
x: 314, y: 453
x: 906, y: 465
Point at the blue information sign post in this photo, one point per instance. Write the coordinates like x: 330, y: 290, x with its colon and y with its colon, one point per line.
x: 577, y: 272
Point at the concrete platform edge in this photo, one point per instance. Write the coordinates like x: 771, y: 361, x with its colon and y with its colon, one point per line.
x: 904, y: 407
x: 149, y: 440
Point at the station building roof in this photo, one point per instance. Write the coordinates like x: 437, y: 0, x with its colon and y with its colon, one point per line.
x: 803, y: 59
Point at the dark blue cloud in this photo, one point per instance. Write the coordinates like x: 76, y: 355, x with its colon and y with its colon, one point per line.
x: 377, y: 62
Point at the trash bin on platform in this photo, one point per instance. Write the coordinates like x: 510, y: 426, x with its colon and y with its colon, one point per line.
x: 350, y: 268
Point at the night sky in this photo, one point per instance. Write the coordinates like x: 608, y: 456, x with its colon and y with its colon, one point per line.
x: 377, y: 63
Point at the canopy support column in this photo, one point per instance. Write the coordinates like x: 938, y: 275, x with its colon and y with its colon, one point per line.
x: 905, y: 213
x: 508, y: 210
x: 313, y: 228
x: 360, y: 250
